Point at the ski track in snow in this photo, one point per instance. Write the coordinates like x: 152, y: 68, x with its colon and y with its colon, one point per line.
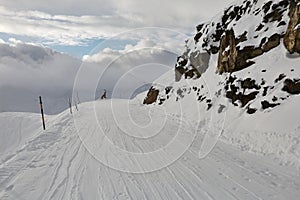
x: 56, y: 165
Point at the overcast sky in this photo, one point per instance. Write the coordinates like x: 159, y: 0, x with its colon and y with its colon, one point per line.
x: 135, y: 41
x: 75, y: 26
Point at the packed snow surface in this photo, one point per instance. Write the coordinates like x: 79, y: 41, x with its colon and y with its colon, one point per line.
x: 67, y: 160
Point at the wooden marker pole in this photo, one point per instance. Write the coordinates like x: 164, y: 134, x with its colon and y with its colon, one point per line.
x: 70, y: 105
x: 42, y: 112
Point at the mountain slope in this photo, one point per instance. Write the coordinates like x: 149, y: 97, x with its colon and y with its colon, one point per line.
x: 223, y: 125
x: 241, y: 74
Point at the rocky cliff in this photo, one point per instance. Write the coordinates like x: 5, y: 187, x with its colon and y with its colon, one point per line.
x: 235, y: 39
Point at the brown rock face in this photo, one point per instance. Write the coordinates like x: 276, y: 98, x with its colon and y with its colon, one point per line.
x: 272, y: 42
x: 232, y: 59
x: 292, y: 37
x: 291, y: 86
x: 244, y: 55
x: 228, y: 53
x: 151, y: 96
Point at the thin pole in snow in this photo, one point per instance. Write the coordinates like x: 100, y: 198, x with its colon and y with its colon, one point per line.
x: 70, y: 105
x: 42, y: 112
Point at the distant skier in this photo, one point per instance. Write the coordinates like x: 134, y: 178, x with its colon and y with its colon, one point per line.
x: 104, y: 95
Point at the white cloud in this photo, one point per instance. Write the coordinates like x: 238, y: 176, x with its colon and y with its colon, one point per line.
x: 66, y: 30
x: 136, y: 65
x: 72, y: 22
x: 14, y: 41
x: 58, y: 7
x: 27, y: 71
x: 151, y: 46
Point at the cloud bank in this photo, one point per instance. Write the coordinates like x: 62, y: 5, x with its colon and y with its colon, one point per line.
x: 74, y: 22
x: 28, y: 71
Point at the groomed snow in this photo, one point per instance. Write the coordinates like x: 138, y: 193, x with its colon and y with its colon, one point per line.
x: 57, y: 164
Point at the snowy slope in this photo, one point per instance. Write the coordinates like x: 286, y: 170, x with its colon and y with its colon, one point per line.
x: 57, y: 164
x: 229, y: 135
x: 16, y: 130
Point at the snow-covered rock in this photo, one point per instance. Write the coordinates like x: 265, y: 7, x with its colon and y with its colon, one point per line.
x: 251, y: 81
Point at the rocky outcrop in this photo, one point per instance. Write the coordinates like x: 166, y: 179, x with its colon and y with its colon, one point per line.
x: 227, y: 53
x: 179, y: 71
x: 151, y: 96
x: 292, y: 37
x: 272, y: 42
x: 180, y: 68
x: 199, y: 62
x: 232, y: 59
x: 238, y: 50
x: 291, y: 86
x: 196, y: 64
x: 266, y: 105
x: 244, y: 99
x: 236, y: 89
x: 276, y: 11
x: 245, y: 54
x: 222, y: 41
